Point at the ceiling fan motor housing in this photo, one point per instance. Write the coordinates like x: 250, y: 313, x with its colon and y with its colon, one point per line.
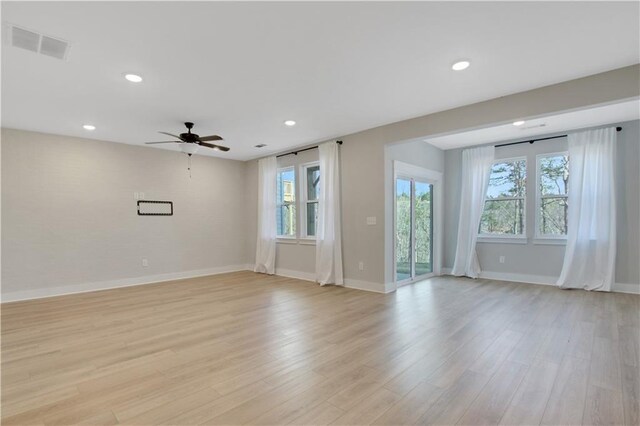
x: 189, y: 137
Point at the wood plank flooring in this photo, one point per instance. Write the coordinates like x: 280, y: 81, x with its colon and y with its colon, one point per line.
x: 245, y: 348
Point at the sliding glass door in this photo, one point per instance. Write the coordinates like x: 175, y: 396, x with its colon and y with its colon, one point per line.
x: 413, y: 229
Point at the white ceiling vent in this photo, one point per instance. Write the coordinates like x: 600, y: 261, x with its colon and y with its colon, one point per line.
x: 53, y: 47
x: 38, y: 43
x: 25, y: 39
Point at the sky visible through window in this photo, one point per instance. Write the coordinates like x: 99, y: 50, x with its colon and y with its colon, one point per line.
x: 503, y: 182
x: 403, y: 187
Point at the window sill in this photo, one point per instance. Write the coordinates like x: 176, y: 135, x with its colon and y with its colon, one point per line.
x: 550, y: 241
x: 503, y: 240
x: 301, y: 241
x: 286, y: 240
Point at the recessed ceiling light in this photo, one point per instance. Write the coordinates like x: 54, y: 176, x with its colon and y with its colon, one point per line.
x: 290, y: 123
x: 518, y: 123
x: 460, y: 65
x: 90, y: 127
x: 134, y: 78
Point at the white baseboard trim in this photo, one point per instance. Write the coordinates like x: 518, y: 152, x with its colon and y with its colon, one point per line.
x: 519, y: 278
x: 543, y: 280
x: 365, y: 285
x: 300, y: 275
x: 348, y: 283
x: 630, y: 288
x: 107, y: 285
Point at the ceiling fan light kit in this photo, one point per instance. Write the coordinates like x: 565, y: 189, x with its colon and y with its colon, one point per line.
x: 189, y: 148
x: 190, y: 143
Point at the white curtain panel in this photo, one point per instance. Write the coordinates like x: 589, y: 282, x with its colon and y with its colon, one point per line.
x: 329, y: 229
x: 589, y: 259
x: 266, y: 244
x: 476, y: 169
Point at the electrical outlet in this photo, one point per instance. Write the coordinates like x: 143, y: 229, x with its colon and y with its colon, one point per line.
x: 502, y: 259
x: 145, y: 262
x: 361, y: 265
x: 136, y: 196
x: 371, y: 220
x: 142, y: 195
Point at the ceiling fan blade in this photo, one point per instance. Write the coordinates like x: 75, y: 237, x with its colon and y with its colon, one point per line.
x: 216, y: 147
x: 152, y: 143
x: 210, y: 138
x: 169, y: 134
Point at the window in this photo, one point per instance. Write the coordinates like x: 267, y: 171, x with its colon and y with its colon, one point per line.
x: 553, y: 186
x: 310, y: 192
x: 286, y: 202
x: 504, y: 208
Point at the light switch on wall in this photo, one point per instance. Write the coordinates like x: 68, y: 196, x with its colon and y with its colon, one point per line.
x: 371, y: 220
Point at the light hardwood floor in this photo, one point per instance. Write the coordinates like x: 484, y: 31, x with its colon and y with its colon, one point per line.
x: 246, y: 348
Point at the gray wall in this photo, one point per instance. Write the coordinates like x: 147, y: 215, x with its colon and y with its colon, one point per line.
x: 543, y: 259
x: 69, y: 213
x: 363, y: 157
x: 291, y: 255
x: 299, y: 256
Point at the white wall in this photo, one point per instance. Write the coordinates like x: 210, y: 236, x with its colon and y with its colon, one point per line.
x: 70, y: 222
x: 542, y: 260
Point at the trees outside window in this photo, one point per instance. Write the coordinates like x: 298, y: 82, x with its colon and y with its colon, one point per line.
x: 504, y: 208
x: 553, y: 190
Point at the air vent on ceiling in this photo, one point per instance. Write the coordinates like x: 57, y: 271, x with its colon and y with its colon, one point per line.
x: 38, y: 43
x: 25, y: 39
x: 53, y: 47
x: 261, y: 145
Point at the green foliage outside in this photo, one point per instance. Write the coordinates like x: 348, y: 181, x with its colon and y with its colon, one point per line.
x: 423, y: 218
x: 504, y: 207
x: 554, y: 185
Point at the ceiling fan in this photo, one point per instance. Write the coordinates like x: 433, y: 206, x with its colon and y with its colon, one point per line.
x: 190, y: 142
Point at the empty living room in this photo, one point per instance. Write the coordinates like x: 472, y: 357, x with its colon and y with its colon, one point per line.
x: 314, y: 213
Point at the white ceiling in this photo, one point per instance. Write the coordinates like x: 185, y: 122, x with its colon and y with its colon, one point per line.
x: 241, y: 69
x: 591, y: 117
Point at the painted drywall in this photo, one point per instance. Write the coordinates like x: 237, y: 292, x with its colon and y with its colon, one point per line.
x: 628, y: 204
x: 545, y: 260
x: 363, y: 158
x: 69, y: 215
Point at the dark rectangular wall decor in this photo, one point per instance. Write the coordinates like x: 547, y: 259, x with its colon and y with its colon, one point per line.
x: 155, y: 208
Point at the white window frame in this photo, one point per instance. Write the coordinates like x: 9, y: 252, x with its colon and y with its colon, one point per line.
x: 551, y: 238
x: 304, y: 201
x: 278, y: 204
x: 508, y: 238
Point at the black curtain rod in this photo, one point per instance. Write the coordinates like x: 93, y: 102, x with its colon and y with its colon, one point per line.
x: 303, y: 150
x: 541, y: 139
